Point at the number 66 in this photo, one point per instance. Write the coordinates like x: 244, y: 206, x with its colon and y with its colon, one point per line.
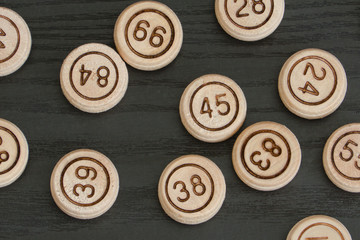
x: 154, y: 33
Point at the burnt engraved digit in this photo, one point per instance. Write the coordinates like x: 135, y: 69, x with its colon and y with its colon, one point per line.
x: 183, y: 189
x: 218, y: 103
x: 4, y: 155
x: 2, y: 34
x: 312, y: 91
x: 157, y: 35
x: 259, y: 163
x: 87, y: 171
x: 139, y: 28
x: 357, y: 165
x: 240, y: 9
x: 196, y: 184
x: 84, y: 79
x: 257, y: 2
x: 349, y: 149
x: 309, y: 65
x: 207, y: 104
x: 83, y: 188
x: 103, y: 78
x: 275, y: 150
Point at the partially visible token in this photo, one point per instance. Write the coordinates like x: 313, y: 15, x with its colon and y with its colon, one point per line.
x: 94, y: 78
x: 266, y: 156
x: 249, y: 20
x: 14, y: 153
x: 191, y: 189
x: 84, y: 184
x: 319, y: 227
x: 341, y: 157
x: 148, y: 35
x: 312, y: 83
x: 212, y: 108
x: 15, y: 41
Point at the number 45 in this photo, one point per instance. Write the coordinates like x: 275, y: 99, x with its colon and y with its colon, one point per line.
x: 208, y: 110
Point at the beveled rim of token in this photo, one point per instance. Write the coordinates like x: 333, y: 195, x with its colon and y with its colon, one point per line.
x: 210, y: 208
x: 12, y: 173
x: 324, y: 107
x: 244, y: 33
x: 300, y: 228
x: 79, y: 210
x: 87, y: 103
x: 198, y: 130
x: 277, y: 180
x: 136, y: 59
x: 23, y: 47
x: 340, y: 179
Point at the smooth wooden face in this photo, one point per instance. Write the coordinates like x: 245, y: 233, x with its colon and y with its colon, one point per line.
x: 341, y: 157
x: 84, y: 184
x: 249, y: 20
x: 94, y: 78
x: 148, y: 35
x: 15, y: 41
x: 14, y: 153
x: 191, y: 189
x: 319, y: 227
x: 266, y: 156
x: 212, y: 108
x: 312, y: 83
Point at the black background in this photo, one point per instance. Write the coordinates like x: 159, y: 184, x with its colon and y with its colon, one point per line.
x: 143, y: 133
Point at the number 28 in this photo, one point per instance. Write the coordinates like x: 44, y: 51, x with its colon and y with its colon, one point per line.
x: 256, y: 11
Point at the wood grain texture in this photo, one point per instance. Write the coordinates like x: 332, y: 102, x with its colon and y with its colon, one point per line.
x: 143, y: 133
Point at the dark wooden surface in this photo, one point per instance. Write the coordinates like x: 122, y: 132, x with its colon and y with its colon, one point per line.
x: 143, y: 133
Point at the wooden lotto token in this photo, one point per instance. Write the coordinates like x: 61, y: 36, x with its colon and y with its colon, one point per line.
x: 94, y: 78
x: 249, y: 20
x: 212, y: 108
x: 319, y: 227
x: 312, y: 83
x: 266, y: 156
x: 191, y: 189
x: 14, y: 153
x: 15, y: 41
x: 341, y: 157
x: 84, y: 184
x: 148, y: 35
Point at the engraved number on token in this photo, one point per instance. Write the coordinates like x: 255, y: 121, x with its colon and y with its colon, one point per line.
x: 102, y: 80
x: 208, y: 109
x: 155, y: 34
x: 275, y: 151
x: 2, y: 34
x: 4, y: 155
x: 308, y: 85
x: 91, y: 184
x: 196, y: 185
x: 254, y: 8
x: 346, y: 147
x: 84, y: 187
